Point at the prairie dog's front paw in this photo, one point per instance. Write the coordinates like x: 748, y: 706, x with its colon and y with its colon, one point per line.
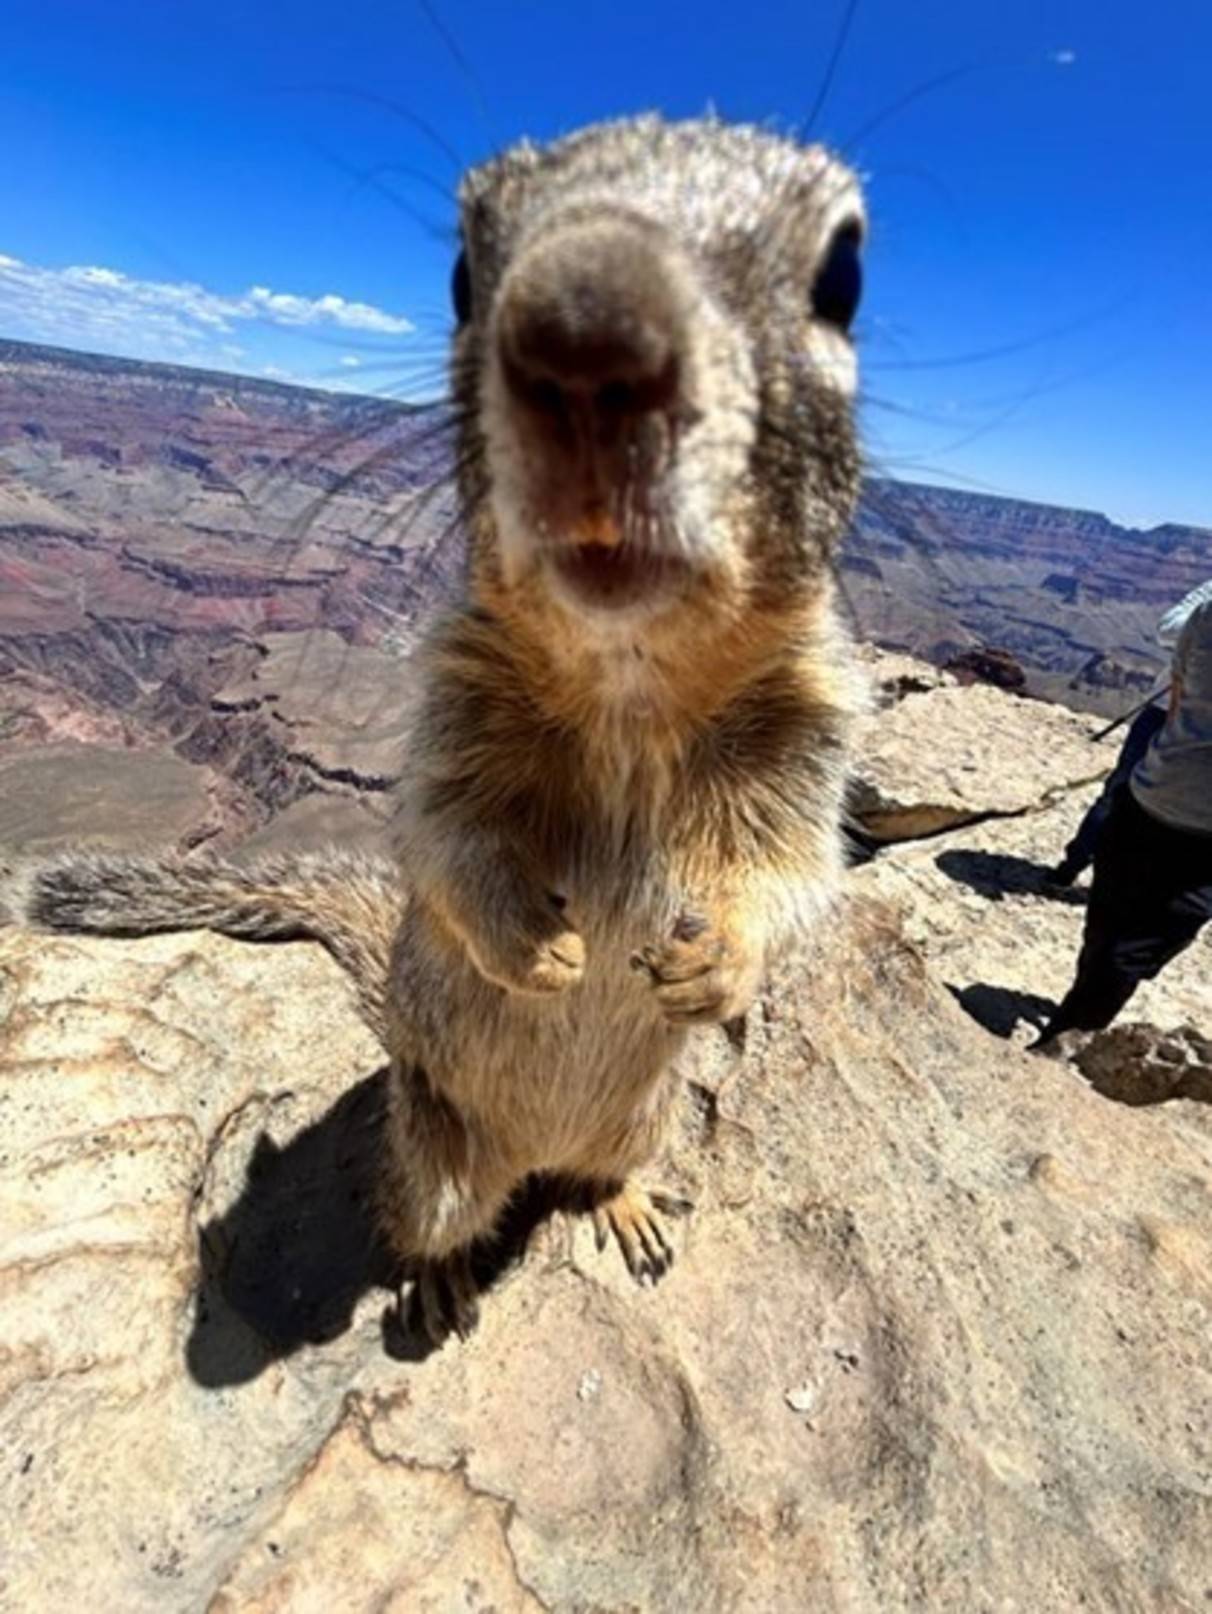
x: 553, y: 966
x: 703, y: 972
x: 536, y: 951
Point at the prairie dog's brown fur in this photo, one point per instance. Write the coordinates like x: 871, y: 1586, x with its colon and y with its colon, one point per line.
x: 623, y: 789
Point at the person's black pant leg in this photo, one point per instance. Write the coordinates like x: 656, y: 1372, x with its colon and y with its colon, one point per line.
x: 1100, y: 989
x: 1150, y: 897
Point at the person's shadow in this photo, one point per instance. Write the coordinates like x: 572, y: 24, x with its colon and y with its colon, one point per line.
x: 288, y: 1263
x: 997, y: 875
x: 1000, y: 1009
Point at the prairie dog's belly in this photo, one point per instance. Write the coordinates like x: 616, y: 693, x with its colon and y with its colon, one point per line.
x: 546, y: 1073
x: 593, y: 1062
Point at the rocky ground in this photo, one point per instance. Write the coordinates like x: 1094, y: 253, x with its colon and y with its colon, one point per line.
x: 937, y: 1337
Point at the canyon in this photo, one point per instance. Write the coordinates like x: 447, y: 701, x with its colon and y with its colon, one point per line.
x: 210, y: 587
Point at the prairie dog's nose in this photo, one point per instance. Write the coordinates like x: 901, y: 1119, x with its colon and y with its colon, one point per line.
x: 591, y: 319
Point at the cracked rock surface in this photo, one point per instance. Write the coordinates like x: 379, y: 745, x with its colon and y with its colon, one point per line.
x: 946, y: 756
x: 937, y: 1335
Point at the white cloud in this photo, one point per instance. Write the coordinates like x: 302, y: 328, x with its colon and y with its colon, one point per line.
x: 1064, y: 58
x: 284, y: 309
x: 350, y: 361
x: 86, y: 303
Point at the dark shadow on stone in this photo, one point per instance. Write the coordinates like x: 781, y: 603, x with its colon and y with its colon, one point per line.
x: 999, y: 1009
x: 997, y: 875
x: 287, y: 1264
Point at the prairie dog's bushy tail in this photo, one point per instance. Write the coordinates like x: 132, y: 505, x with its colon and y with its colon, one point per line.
x: 349, y: 902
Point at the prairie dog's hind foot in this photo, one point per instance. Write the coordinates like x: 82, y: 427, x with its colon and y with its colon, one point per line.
x: 445, y: 1298
x: 633, y: 1216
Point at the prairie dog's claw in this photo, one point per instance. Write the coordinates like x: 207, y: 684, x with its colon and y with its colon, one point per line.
x: 445, y: 1298
x: 631, y: 1217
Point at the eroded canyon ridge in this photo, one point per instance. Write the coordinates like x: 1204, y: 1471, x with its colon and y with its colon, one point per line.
x: 210, y: 585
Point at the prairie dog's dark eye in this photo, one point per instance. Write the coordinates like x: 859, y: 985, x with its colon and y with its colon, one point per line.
x: 839, y: 281
x: 460, y: 289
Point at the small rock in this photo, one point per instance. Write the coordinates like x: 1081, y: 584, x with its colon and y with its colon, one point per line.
x: 590, y: 1385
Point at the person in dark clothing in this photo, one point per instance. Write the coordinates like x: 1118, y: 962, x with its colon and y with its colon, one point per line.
x: 1079, y: 854
x: 1152, y: 888
x: 1152, y: 895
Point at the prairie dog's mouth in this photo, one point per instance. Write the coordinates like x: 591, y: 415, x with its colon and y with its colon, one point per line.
x: 614, y: 576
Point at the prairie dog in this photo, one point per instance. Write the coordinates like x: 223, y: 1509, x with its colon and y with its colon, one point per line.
x: 623, y: 790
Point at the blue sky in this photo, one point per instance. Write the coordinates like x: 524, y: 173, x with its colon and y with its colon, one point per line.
x: 181, y: 182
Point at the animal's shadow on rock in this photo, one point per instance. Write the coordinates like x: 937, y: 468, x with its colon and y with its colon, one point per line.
x: 1000, y: 1009
x: 288, y: 1263
x: 997, y: 875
